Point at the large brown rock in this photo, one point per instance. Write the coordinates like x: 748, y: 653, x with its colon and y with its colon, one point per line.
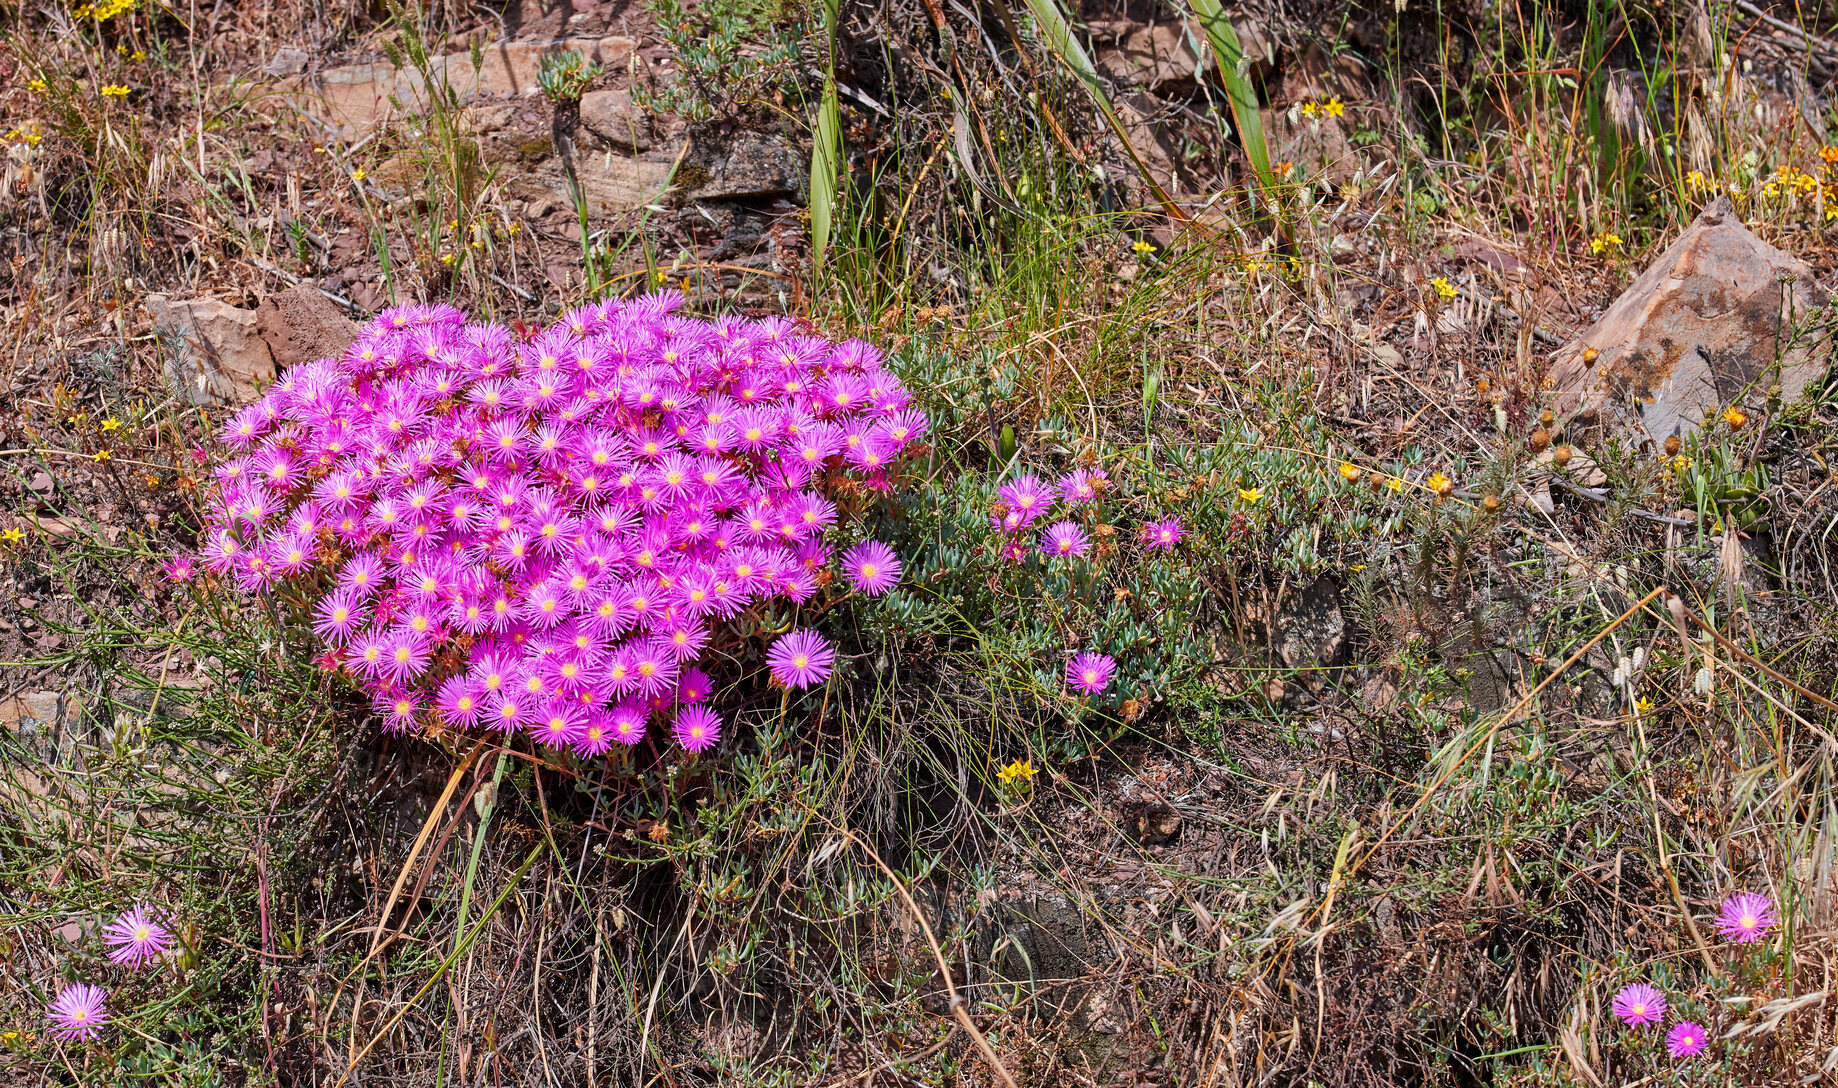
x: 214, y: 354
x: 300, y: 325
x: 748, y: 165
x: 358, y: 97
x: 1701, y: 329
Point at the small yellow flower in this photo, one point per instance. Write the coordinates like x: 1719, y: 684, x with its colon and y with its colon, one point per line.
x: 478, y: 243
x: 1829, y: 154
x: 1643, y: 706
x: 1333, y: 107
x: 1680, y: 462
x: 452, y: 224
x: 1395, y: 483
x: 1250, y: 495
x: 1439, y: 483
x: 1735, y: 417
x: 359, y: 174
x: 1309, y: 108
x: 115, y: 90
x: 122, y: 49
x: 102, y: 455
x: 13, y: 535
x: 513, y: 228
x: 1604, y: 242
x: 38, y: 86
x: 1282, y: 169
x: 1349, y: 471
x: 1356, y: 567
x: 1021, y: 770
x: 138, y: 54
x: 660, y: 277
x: 446, y: 258
x: 111, y: 424
x: 318, y: 150
x: 1444, y: 289
x: 1143, y: 245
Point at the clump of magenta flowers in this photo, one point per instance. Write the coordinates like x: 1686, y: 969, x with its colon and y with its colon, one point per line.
x: 546, y: 533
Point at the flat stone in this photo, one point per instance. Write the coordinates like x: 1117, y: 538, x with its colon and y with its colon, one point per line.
x: 1312, y: 632
x: 1698, y: 331
x: 300, y: 325
x: 358, y: 97
x: 610, y: 119
x: 611, y: 183
x: 750, y: 165
x: 214, y: 353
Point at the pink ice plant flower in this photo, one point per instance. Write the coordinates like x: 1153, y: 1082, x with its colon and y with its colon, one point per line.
x: 1090, y: 674
x: 78, y: 1013
x: 1065, y: 540
x: 1163, y: 536
x: 1746, y: 917
x: 1686, y: 1039
x: 697, y: 729
x: 575, y: 512
x: 1639, y: 1004
x: 801, y: 659
x: 872, y: 567
x: 134, y: 938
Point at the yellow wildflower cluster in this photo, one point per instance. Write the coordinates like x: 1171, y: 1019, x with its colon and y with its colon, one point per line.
x: 1333, y: 107
x: 1829, y: 154
x: 38, y: 86
x: 1443, y: 288
x: 1021, y: 772
x: 114, y: 90
x: 102, y: 12
x: 1790, y: 180
x: 1604, y: 242
x: 22, y: 135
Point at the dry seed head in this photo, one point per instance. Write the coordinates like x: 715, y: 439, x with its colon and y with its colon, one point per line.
x: 1490, y: 503
x: 1672, y: 446
x: 1540, y: 439
x: 1589, y: 356
x: 1482, y: 386
x: 1547, y: 418
x: 1560, y: 455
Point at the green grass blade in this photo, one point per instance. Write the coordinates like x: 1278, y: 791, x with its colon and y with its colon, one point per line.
x: 826, y: 150
x: 1057, y: 33
x: 1238, y: 90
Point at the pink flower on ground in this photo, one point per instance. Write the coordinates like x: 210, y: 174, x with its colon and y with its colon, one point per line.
x: 1065, y: 540
x: 78, y: 1013
x: 1639, y: 1004
x: 1090, y: 674
x: 801, y: 659
x: 872, y: 567
x: 1746, y: 917
x: 1163, y: 536
x: 1686, y: 1040
x: 697, y: 729
x: 134, y: 938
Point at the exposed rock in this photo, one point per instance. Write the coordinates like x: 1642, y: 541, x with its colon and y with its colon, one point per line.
x: 1038, y: 946
x: 32, y: 711
x: 1160, y: 57
x: 300, y: 325
x: 214, y: 353
x: 746, y: 166
x: 286, y: 61
x: 1699, y: 330
x: 359, y: 96
x: 611, y: 119
x: 1155, y: 136
x: 612, y: 183
x: 1312, y: 632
